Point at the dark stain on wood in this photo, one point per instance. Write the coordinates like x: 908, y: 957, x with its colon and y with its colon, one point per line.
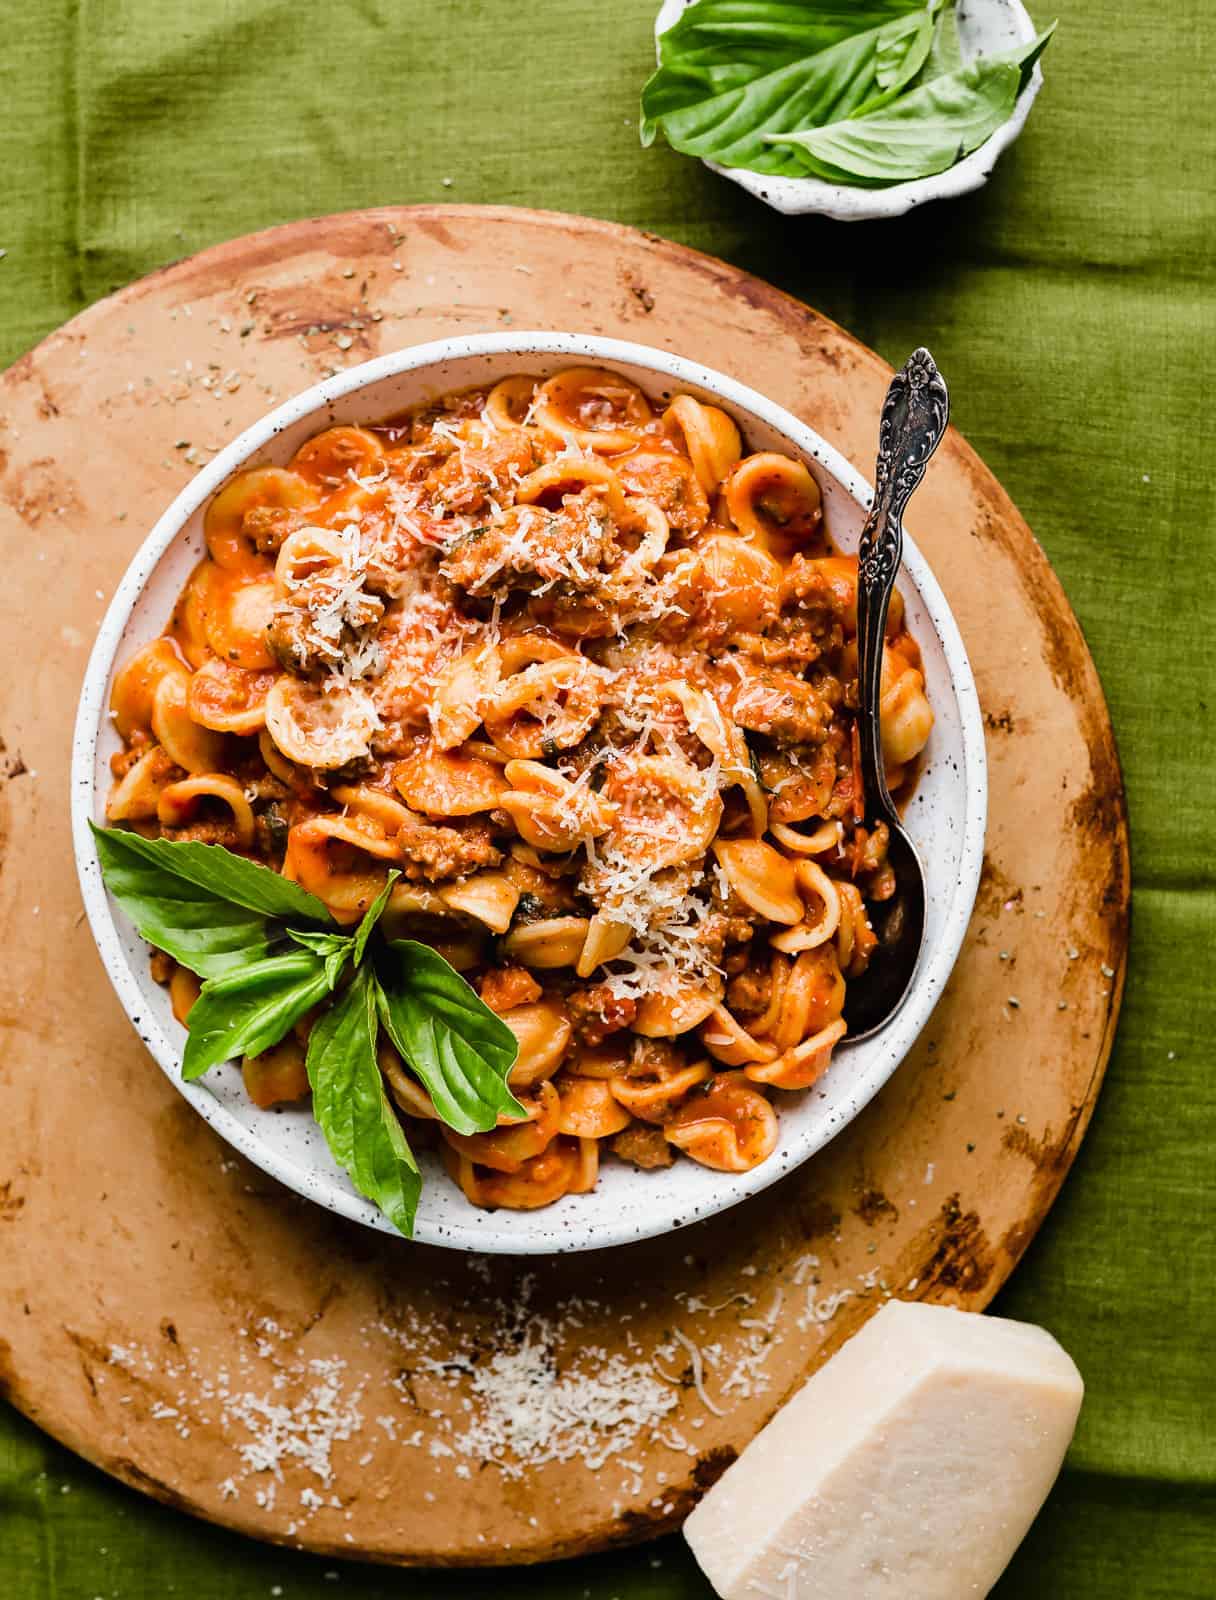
x: 318, y: 316
x: 962, y: 1259
x: 996, y: 892
x: 872, y: 1206
x: 36, y: 489
x: 818, y: 1219
x: 710, y: 1466
x: 145, y: 1481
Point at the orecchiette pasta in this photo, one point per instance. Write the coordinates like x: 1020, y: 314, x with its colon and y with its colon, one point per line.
x: 136, y: 795
x: 277, y: 1075
x: 229, y: 698
x: 508, y: 1147
x: 588, y: 1109
x: 773, y: 500
x: 598, y: 410
x: 489, y: 897
x: 542, y: 1031
x: 729, y: 1126
x: 343, y: 861
x: 184, y: 990
x: 708, y: 435
x: 581, y: 669
x: 180, y: 803
x: 317, y: 728
x: 187, y: 742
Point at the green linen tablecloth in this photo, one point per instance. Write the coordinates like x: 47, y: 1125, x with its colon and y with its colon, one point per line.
x: 1071, y: 302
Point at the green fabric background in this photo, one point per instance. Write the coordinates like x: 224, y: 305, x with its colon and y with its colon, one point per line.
x: 1071, y: 302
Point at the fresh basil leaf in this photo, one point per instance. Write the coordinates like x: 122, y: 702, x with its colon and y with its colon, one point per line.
x: 719, y: 45
x: 924, y: 131
x: 205, y: 933
x: 901, y: 49
x: 899, y: 55
x: 364, y: 931
x: 895, y: 44
x: 352, y: 1109
x: 1026, y: 56
x: 334, y: 948
x: 448, y: 1037
x: 221, y: 873
x: 245, y: 1012
x: 729, y: 125
x: 946, y: 50
x: 927, y: 131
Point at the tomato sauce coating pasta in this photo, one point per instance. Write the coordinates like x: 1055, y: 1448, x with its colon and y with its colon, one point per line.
x: 583, y: 671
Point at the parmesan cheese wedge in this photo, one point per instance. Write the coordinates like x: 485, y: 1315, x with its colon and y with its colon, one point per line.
x: 908, y: 1468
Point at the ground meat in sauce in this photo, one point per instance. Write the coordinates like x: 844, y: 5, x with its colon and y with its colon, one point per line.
x: 800, y: 781
x: 596, y: 1012
x: 654, y: 1058
x: 774, y: 702
x: 787, y: 643
x: 549, y: 893
x: 750, y: 992
x: 159, y: 768
x: 291, y: 641
x: 868, y: 857
x: 719, y: 930
x: 206, y: 830
x: 504, y: 988
x: 399, y: 557
x: 265, y: 788
x: 466, y: 482
x: 817, y: 590
x: 870, y: 848
x: 435, y: 853
x: 671, y: 485
x: 299, y: 644
x: 268, y: 526
x: 531, y: 545
x: 643, y: 1146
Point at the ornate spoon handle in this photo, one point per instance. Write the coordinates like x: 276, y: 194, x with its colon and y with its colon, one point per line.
x: 914, y: 417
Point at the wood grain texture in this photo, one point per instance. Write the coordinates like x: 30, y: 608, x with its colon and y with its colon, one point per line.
x: 159, y: 1297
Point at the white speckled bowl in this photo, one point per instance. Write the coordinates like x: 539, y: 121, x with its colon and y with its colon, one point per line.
x: 946, y: 816
x: 986, y: 27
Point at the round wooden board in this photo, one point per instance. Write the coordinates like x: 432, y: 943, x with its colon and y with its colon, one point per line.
x: 177, y: 1318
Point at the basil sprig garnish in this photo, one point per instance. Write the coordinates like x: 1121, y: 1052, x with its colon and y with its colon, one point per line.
x: 201, y: 904
x: 865, y: 93
x: 452, y: 1041
x: 270, y: 953
x: 349, y: 1102
x: 246, y: 1010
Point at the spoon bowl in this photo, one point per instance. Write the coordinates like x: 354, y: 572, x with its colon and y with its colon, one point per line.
x: 873, y: 999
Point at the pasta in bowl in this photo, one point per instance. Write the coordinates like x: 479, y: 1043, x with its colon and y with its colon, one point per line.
x: 543, y: 647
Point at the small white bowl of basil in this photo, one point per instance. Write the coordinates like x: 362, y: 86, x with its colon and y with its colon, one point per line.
x: 854, y: 109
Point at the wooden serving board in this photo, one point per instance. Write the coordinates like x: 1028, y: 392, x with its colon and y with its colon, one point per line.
x: 176, y: 1317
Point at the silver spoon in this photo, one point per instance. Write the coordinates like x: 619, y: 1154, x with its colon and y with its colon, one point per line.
x: 914, y: 417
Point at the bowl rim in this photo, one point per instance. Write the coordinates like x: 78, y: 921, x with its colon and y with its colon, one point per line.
x: 842, y: 202
x: 936, y: 962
